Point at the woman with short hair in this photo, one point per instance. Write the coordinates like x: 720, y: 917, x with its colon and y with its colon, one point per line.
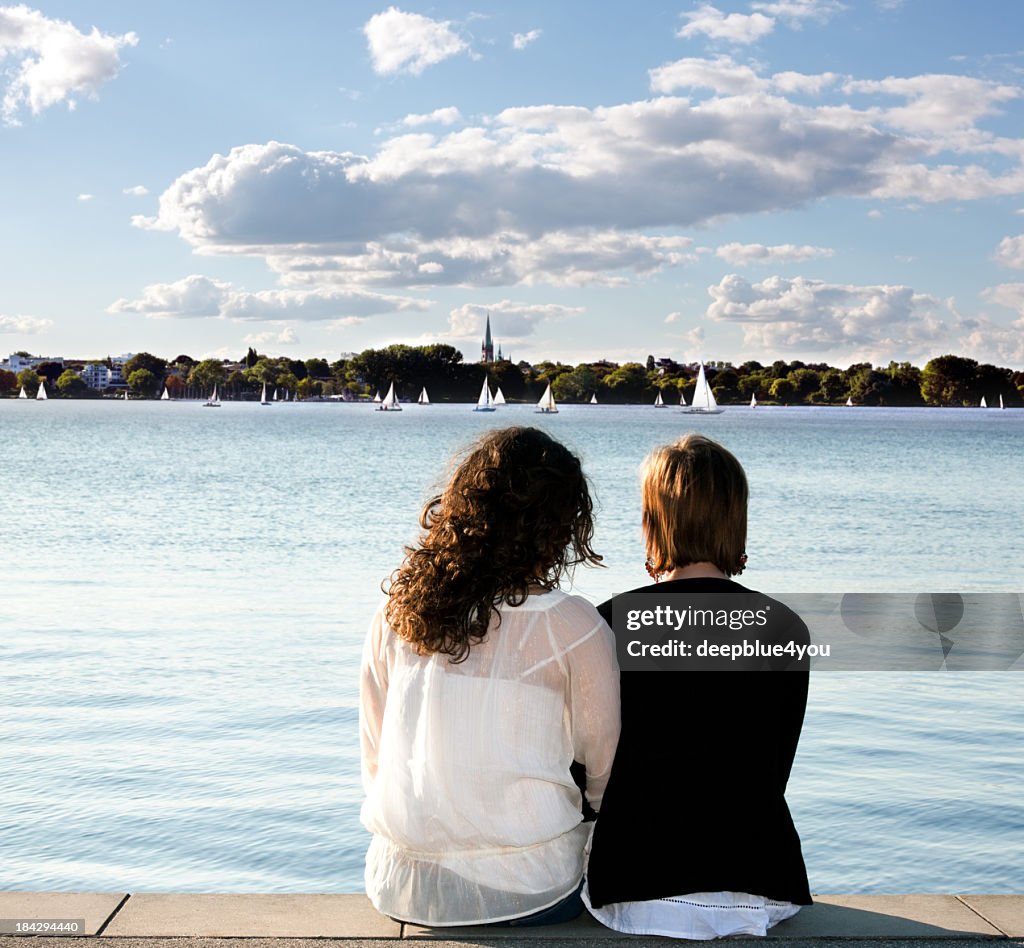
x: 481, y: 683
x: 695, y: 839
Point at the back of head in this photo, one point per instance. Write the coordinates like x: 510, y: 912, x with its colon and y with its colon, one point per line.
x: 516, y: 514
x: 694, y: 496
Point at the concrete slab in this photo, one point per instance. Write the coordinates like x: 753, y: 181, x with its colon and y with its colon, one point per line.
x: 93, y: 908
x: 251, y: 915
x: 583, y: 928
x: 1006, y: 912
x: 885, y: 916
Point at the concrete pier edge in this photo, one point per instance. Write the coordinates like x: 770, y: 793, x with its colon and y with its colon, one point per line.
x: 289, y: 920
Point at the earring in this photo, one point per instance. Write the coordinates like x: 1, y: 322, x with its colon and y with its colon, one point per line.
x: 743, y: 564
x: 654, y: 574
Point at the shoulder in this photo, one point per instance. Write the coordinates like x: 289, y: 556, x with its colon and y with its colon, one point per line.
x: 571, y: 619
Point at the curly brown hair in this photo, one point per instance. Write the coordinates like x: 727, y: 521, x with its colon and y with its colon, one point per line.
x: 516, y: 516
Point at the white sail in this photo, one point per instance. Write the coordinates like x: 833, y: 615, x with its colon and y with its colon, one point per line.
x: 703, y: 398
x: 753, y: 400
x: 41, y: 393
x: 1001, y: 405
x: 849, y: 403
x: 166, y: 397
x: 126, y: 394
x: 499, y: 398
x: 275, y: 394
x: 263, y: 395
x: 682, y: 399
x: 547, y: 405
x: 390, y: 401
x: 593, y: 399
x: 22, y: 394
x: 376, y: 396
x: 424, y: 398
x: 658, y: 401
x: 485, y: 402
x: 984, y: 404
x: 213, y: 401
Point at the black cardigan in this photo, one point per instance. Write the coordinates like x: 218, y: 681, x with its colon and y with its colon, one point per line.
x: 696, y: 798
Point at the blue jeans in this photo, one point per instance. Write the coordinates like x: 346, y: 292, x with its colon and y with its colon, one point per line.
x: 565, y: 911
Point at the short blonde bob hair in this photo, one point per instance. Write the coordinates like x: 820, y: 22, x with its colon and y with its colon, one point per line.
x: 694, y: 506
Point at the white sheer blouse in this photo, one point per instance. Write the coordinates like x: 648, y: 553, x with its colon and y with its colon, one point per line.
x: 474, y: 814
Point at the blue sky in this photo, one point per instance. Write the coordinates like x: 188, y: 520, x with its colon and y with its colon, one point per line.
x: 813, y: 179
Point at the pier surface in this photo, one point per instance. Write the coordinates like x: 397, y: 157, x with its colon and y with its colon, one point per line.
x: 280, y: 920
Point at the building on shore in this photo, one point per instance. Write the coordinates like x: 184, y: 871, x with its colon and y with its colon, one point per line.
x: 487, y: 356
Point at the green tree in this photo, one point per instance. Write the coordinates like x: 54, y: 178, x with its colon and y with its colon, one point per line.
x: 206, y: 374
x: 832, y: 389
x: 143, y: 383
x: 948, y: 380
x: 625, y: 383
x: 575, y: 386
x: 782, y: 390
x: 72, y: 385
x: 145, y: 360
x: 8, y: 382
x: 28, y: 380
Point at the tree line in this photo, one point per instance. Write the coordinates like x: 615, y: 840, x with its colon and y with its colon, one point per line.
x: 944, y: 380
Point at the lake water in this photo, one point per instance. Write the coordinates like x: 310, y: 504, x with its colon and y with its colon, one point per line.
x: 184, y: 594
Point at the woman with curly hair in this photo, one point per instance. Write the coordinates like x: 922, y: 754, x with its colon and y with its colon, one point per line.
x: 481, y: 683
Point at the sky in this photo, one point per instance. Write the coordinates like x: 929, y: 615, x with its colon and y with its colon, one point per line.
x: 799, y: 179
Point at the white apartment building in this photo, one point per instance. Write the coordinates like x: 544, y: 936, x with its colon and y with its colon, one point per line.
x: 16, y: 363
x: 96, y: 375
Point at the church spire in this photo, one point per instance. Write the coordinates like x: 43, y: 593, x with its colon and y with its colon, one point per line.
x: 487, y: 349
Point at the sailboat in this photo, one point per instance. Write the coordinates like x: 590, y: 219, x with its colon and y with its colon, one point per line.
x: 166, y: 397
x: 213, y: 401
x: 390, y: 401
x: 546, y: 405
x: 753, y: 400
x: 22, y: 394
x: 499, y: 398
x: 275, y: 394
x: 682, y: 400
x: 593, y: 399
x: 1001, y: 405
x: 849, y: 402
x: 424, y: 399
x: 485, y: 402
x: 376, y: 396
x: 41, y: 395
x: 703, y: 398
x: 263, y: 396
x: 984, y: 404
x: 126, y: 394
x: 659, y: 401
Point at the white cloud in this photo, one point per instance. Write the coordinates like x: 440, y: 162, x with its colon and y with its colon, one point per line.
x: 193, y: 296
x: 1010, y: 295
x: 673, y: 317
x: 1010, y: 252
x: 85, y: 197
x: 802, y: 315
x: 447, y: 116
x: 741, y: 255
x: 522, y: 40
x: 139, y: 190
x: 568, y: 195
x: 200, y: 297
x: 53, y: 61
x: 516, y: 320
x: 24, y: 325
x: 283, y: 337
x: 794, y: 12
x: 506, y: 259
x: 708, y: 20
x: 402, y: 42
x: 875, y: 214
